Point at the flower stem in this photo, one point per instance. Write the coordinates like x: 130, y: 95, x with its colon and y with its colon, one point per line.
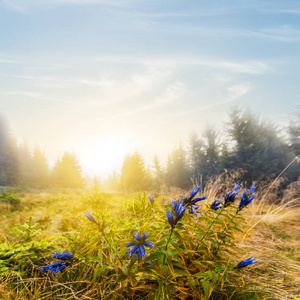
x: 168, y: 244
x: 209, y: 228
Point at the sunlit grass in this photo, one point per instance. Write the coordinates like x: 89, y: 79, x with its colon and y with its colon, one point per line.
x: 271, y: 236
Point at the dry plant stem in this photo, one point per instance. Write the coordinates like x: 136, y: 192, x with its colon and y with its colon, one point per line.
x: 267, y: 192
x: 263, y: 198
x: 168, y: 244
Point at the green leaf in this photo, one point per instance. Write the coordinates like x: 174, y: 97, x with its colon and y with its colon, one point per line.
x: 238, y: 229
x: 207, y: 287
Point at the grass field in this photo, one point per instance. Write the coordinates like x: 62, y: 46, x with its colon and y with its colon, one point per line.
x: 35, y: 223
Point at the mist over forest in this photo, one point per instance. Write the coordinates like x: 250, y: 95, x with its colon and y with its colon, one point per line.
x: 249, y: 145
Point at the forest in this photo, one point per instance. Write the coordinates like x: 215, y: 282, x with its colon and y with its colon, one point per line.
x: 254, y: 147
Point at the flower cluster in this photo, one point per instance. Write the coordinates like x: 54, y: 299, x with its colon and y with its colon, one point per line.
x: 190, y: 201
x: 247, y: 198
x: 137, y: 248
x: 178, y: 209
x: 66, y: 258
x: 229, y: 198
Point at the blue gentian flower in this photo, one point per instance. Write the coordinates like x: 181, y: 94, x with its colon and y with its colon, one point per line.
x: 56, y: 267
x: 90, y: 217
x: 178, y: 210
x: 194, y: 192
x: 138, y: 248
x: 247, y: 197
x: 217, y: 204
x: 66, y: 258
x: 151, y: 198
x: 231, y: 196
x: 190, y: 201
x: 193, y: 210
x: 245, y: 263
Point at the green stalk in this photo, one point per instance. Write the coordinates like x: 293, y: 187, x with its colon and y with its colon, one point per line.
x: 168, y: 244
x: 209, y: 228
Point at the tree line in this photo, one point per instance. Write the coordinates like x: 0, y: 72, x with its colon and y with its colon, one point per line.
x: 20, y: 166
x: 248, y: 143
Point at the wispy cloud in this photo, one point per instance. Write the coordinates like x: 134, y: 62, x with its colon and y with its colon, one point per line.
x: 15, y: 6
x: 234, y: 92
x: 244, y: 67
x: 35, y: 95
x: 24, y: 6
x: 172, y: 92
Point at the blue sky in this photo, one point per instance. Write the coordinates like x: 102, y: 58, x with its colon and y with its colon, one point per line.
x: 102, y: 78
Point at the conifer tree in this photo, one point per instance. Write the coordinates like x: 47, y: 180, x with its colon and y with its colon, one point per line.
x: 67, y: 172
x: 40, y: 169
x: 178, y: 171
x: 158, y: 171
x: 133, y: 174
x: 257, y: 148
x: 9, y: 169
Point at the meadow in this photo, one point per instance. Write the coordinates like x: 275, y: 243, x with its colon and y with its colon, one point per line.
x: 193, y: 256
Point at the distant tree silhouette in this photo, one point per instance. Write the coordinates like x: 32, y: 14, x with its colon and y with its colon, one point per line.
x: 9, y: 169
x: 178, y: 171
x: 25, y: 164
x: 256, y: 146
x: 158, y: 177
x: 195, y: 156
x: 67, y: 172
x: 294, y: 132
x: 211, y: 153
x: 134, y: 176
x: 40, y: 168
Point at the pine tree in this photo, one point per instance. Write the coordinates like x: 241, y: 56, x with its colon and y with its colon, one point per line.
x: 67, y: 172
x: 257, y: 148
x: 9, y: 169
x: 158, y: 172
x: 178, y: 171
x: 133, y: 174
x: 25, y: 164
x: 294, y: 132
x: 40, y: 169
x: 211, y: 151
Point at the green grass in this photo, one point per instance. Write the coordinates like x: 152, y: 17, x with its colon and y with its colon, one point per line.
x: 53, y: 220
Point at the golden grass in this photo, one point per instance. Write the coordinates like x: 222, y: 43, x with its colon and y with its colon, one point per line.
x: 272, y: 238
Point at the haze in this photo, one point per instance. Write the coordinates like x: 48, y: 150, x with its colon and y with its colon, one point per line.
x: 104, y: 78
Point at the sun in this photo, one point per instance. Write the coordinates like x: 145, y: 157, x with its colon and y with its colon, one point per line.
x: 104, y: 154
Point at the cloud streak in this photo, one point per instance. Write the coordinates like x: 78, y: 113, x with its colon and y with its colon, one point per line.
x: 35, y: 95
x: 24, y: 6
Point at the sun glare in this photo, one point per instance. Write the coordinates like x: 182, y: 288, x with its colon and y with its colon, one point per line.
x: 103, y: 155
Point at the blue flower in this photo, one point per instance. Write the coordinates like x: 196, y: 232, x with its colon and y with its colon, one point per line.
x: 194, y: 192
x: 193, y: 210
x: 66, y: 258
x: 90, y: 217
x: 245, y: 263
x: 138, y: 248
x: 151, y: 198
x: 247, y: 197
x: 217, y: 204
x: 178, y: 210
x: 56, y: 267
x: 190, y: 199
x: 231, y: 196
